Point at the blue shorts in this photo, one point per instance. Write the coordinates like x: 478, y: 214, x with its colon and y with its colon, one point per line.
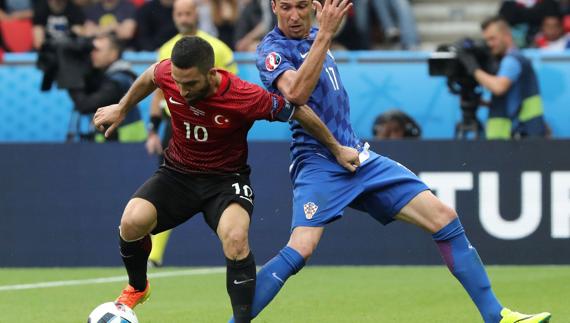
x: 322, y: 189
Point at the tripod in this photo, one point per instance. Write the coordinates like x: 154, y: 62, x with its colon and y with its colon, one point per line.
x: 470, y: 95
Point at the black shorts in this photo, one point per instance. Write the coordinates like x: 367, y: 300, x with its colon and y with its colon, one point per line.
x: 178, y: 196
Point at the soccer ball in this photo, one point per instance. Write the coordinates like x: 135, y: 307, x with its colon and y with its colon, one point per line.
x: 112, y: 313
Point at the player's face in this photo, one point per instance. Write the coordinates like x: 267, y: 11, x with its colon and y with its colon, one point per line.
x: 293, y: 17
x: 497, y: 39
x: 185, y: 16
x: 192, y: 84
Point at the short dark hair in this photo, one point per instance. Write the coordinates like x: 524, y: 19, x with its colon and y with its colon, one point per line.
x: 410, y: 127
x: 191, y: 52
x: 493, y: 20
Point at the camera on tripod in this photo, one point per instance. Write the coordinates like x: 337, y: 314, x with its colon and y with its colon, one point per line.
x: 445, y: 62
x: 65, y: 61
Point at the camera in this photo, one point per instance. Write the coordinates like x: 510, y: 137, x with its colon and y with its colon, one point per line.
x: 445, y: 62
x: 65, y: 61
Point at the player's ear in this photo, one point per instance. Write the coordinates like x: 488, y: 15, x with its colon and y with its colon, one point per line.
x: 211, y: 73
x: 273, y: 5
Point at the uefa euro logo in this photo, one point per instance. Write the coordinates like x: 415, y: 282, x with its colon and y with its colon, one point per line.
x: 272, y: 61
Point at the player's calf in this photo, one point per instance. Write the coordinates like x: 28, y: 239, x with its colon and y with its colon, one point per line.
x: 240, y: 284
x: 135, y: 257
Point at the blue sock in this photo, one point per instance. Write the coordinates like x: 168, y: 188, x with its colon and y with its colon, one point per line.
x: 464, y: 263
x: 273, y: 276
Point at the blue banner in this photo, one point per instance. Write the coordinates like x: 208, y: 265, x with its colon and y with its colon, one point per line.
x: 61, y: 204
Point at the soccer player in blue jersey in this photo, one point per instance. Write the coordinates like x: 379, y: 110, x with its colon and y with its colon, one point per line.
x: 294, y: 60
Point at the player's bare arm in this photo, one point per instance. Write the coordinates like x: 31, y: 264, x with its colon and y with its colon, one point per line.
x: 153, y: 144
x: 111, y: 116
x: 297, y: 86
x: 347, y: 157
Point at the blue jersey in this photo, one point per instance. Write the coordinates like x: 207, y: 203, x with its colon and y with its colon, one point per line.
x: 276, y: 54
x: 322, y: 189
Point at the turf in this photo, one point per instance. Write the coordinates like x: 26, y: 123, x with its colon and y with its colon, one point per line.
x: 317, y: 294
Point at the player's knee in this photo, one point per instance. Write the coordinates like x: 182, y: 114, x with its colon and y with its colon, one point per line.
x: 139, y: 218
x: 130, y: 230
x: 304, y: 248
x: 235, y: 243
x: 445, y: 215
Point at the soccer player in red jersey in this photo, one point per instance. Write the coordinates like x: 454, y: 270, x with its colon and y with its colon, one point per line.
x: 205, y: 168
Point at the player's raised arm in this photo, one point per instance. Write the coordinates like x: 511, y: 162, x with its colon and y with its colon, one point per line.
x: 347, y: 157
x: 111, y: 116
x: 297, y: 86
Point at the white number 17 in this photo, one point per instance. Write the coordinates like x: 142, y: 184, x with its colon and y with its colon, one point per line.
x: 332, y: 77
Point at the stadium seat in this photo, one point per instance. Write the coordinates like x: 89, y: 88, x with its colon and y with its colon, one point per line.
x: 17, y: 34
x: 138, y: 3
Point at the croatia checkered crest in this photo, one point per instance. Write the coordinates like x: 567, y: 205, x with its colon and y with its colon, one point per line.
x: 310, y: 210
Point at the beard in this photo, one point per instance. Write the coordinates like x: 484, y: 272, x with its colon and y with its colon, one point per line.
x: 200, y: 95
x: 186, y: 29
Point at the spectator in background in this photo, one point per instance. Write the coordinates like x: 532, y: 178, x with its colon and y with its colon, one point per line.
x: 109, y: 81
x: 395, y: 124
x: 225, y: 13
x: 255, y: 21
x: 526, y: 16
x: 116, y: 16
x: 396, y: 17
x: 516, y: 106
x: 154, y: 24
x: 552, y: 37
x: 205, y: 17
x: 185, y: 16
x: 57, y: 20
x: 15, y: 9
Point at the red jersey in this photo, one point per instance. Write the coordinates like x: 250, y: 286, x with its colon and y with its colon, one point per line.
x: 211, y: 135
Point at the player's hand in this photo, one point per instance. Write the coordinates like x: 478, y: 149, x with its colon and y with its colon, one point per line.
x: 153, y: 145
x: 469, y: 61
x: 347, y: 157
x: 109, y: 118
x: 331, y: 13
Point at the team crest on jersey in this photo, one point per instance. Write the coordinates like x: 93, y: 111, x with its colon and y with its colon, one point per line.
x: 272, y: 61
x: 221, y: 121
x: 310, y: 210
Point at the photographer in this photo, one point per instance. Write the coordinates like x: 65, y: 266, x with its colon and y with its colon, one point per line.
x: 109, y: 80
x: 516, y: 106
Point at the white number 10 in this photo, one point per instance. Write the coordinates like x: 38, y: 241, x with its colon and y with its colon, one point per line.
x: 247, y: 191
x: 200, y: 133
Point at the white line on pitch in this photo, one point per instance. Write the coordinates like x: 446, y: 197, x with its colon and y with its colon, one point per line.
x: 104, y: 280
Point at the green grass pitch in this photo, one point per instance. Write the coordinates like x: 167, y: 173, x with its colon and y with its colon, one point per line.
x: 317, y: 294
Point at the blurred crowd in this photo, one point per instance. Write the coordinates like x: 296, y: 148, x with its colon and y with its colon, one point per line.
x: 145, y: 25
x: 542, y: 24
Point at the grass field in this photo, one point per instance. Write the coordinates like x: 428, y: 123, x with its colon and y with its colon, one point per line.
x: 317, y: 294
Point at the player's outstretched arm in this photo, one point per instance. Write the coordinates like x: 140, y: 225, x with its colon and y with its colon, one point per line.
x: 297, y: 86
x: 347, y: 157
x: 111, y: 116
